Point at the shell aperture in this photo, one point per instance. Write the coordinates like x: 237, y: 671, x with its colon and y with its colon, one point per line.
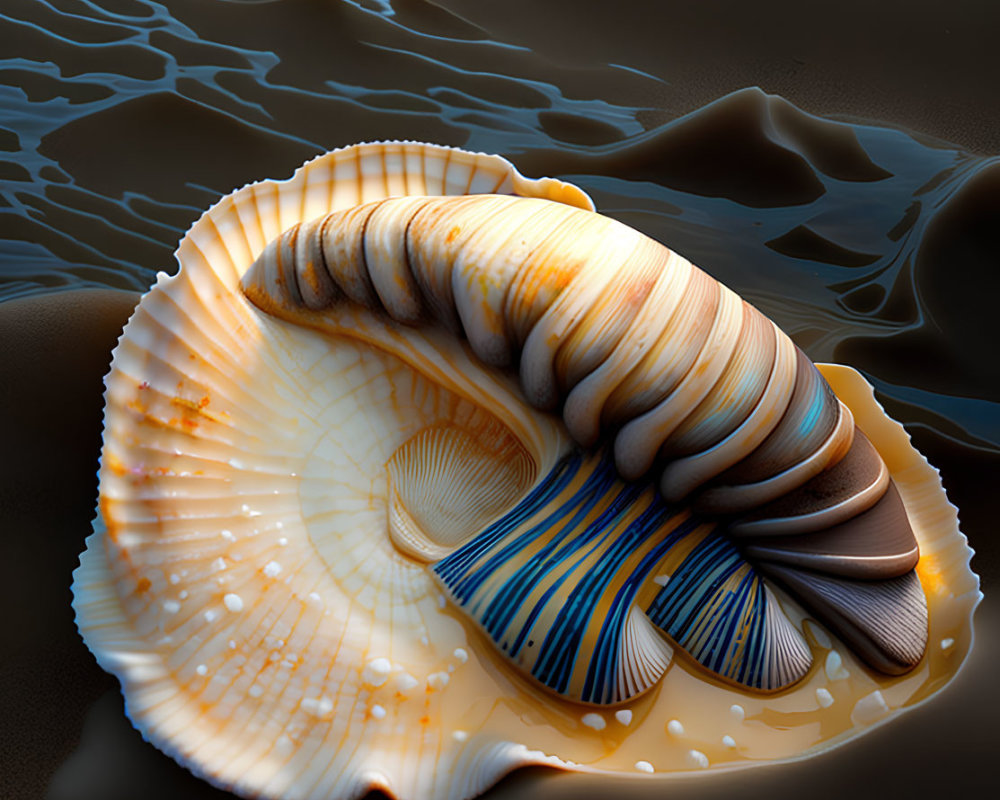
x: 332, y: 522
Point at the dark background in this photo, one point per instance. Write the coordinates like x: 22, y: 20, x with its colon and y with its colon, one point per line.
x: 121, y: 120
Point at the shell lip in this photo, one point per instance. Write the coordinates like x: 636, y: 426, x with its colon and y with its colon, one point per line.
x: 862, y: 384
x: 118, y: 651
x: 120, y: 667
x: 584, y: 200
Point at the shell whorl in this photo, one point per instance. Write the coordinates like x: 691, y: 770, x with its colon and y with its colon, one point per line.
x: 632, y: 342
x: 626, y: 334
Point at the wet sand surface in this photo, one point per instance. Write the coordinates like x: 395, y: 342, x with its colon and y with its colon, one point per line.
x: 870, y: 245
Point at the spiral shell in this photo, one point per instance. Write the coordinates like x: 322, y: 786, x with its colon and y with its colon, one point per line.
x: 627, y: 336
x: 341, y: 547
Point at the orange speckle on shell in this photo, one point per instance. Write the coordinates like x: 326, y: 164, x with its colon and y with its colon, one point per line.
x: 222, y: 728
x: 115, y: 464
x: 929, y: 574
x: 191, y: 408
x: 112, y: 527
x: 182, y: 423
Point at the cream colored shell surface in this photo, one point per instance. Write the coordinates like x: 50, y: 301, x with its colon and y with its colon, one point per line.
x: 242, y: 584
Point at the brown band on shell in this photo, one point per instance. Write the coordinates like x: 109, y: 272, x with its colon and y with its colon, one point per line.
x: 641, y: 438
x: 605, y: 324
x: 876, y: 544
x: 810, y: 418
x: 885, y: 622
x: 587, y: 405
x: 848, y: 488
x: 775, y: 364
x: 343, y: 245
x: 663, y: 366
x: 737, y: 392
x: 316, y: 287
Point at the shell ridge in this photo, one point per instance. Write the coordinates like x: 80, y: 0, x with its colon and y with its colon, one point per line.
x: 543, y: 309
x: 562, y: 536
x: 639, y: 439
x: 589, y: 398
x: 747, y: 435
x: 214, y: 255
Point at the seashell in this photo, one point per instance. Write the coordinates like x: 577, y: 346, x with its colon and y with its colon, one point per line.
x: 622, y: 333
x: 342, y: 546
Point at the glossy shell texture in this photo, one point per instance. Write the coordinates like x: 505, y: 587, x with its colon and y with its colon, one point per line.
x: 338, y: 446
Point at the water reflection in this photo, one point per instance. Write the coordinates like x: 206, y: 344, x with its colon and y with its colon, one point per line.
x: 124, y: 119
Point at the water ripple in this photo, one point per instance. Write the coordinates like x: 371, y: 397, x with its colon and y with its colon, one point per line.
x: 123, y: 120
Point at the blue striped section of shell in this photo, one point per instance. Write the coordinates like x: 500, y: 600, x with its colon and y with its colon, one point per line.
x: 715, y: 607
x: 560, y: 584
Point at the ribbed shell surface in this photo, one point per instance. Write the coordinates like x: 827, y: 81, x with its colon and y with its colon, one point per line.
x: 271, y: 577
x: 565, y: 292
